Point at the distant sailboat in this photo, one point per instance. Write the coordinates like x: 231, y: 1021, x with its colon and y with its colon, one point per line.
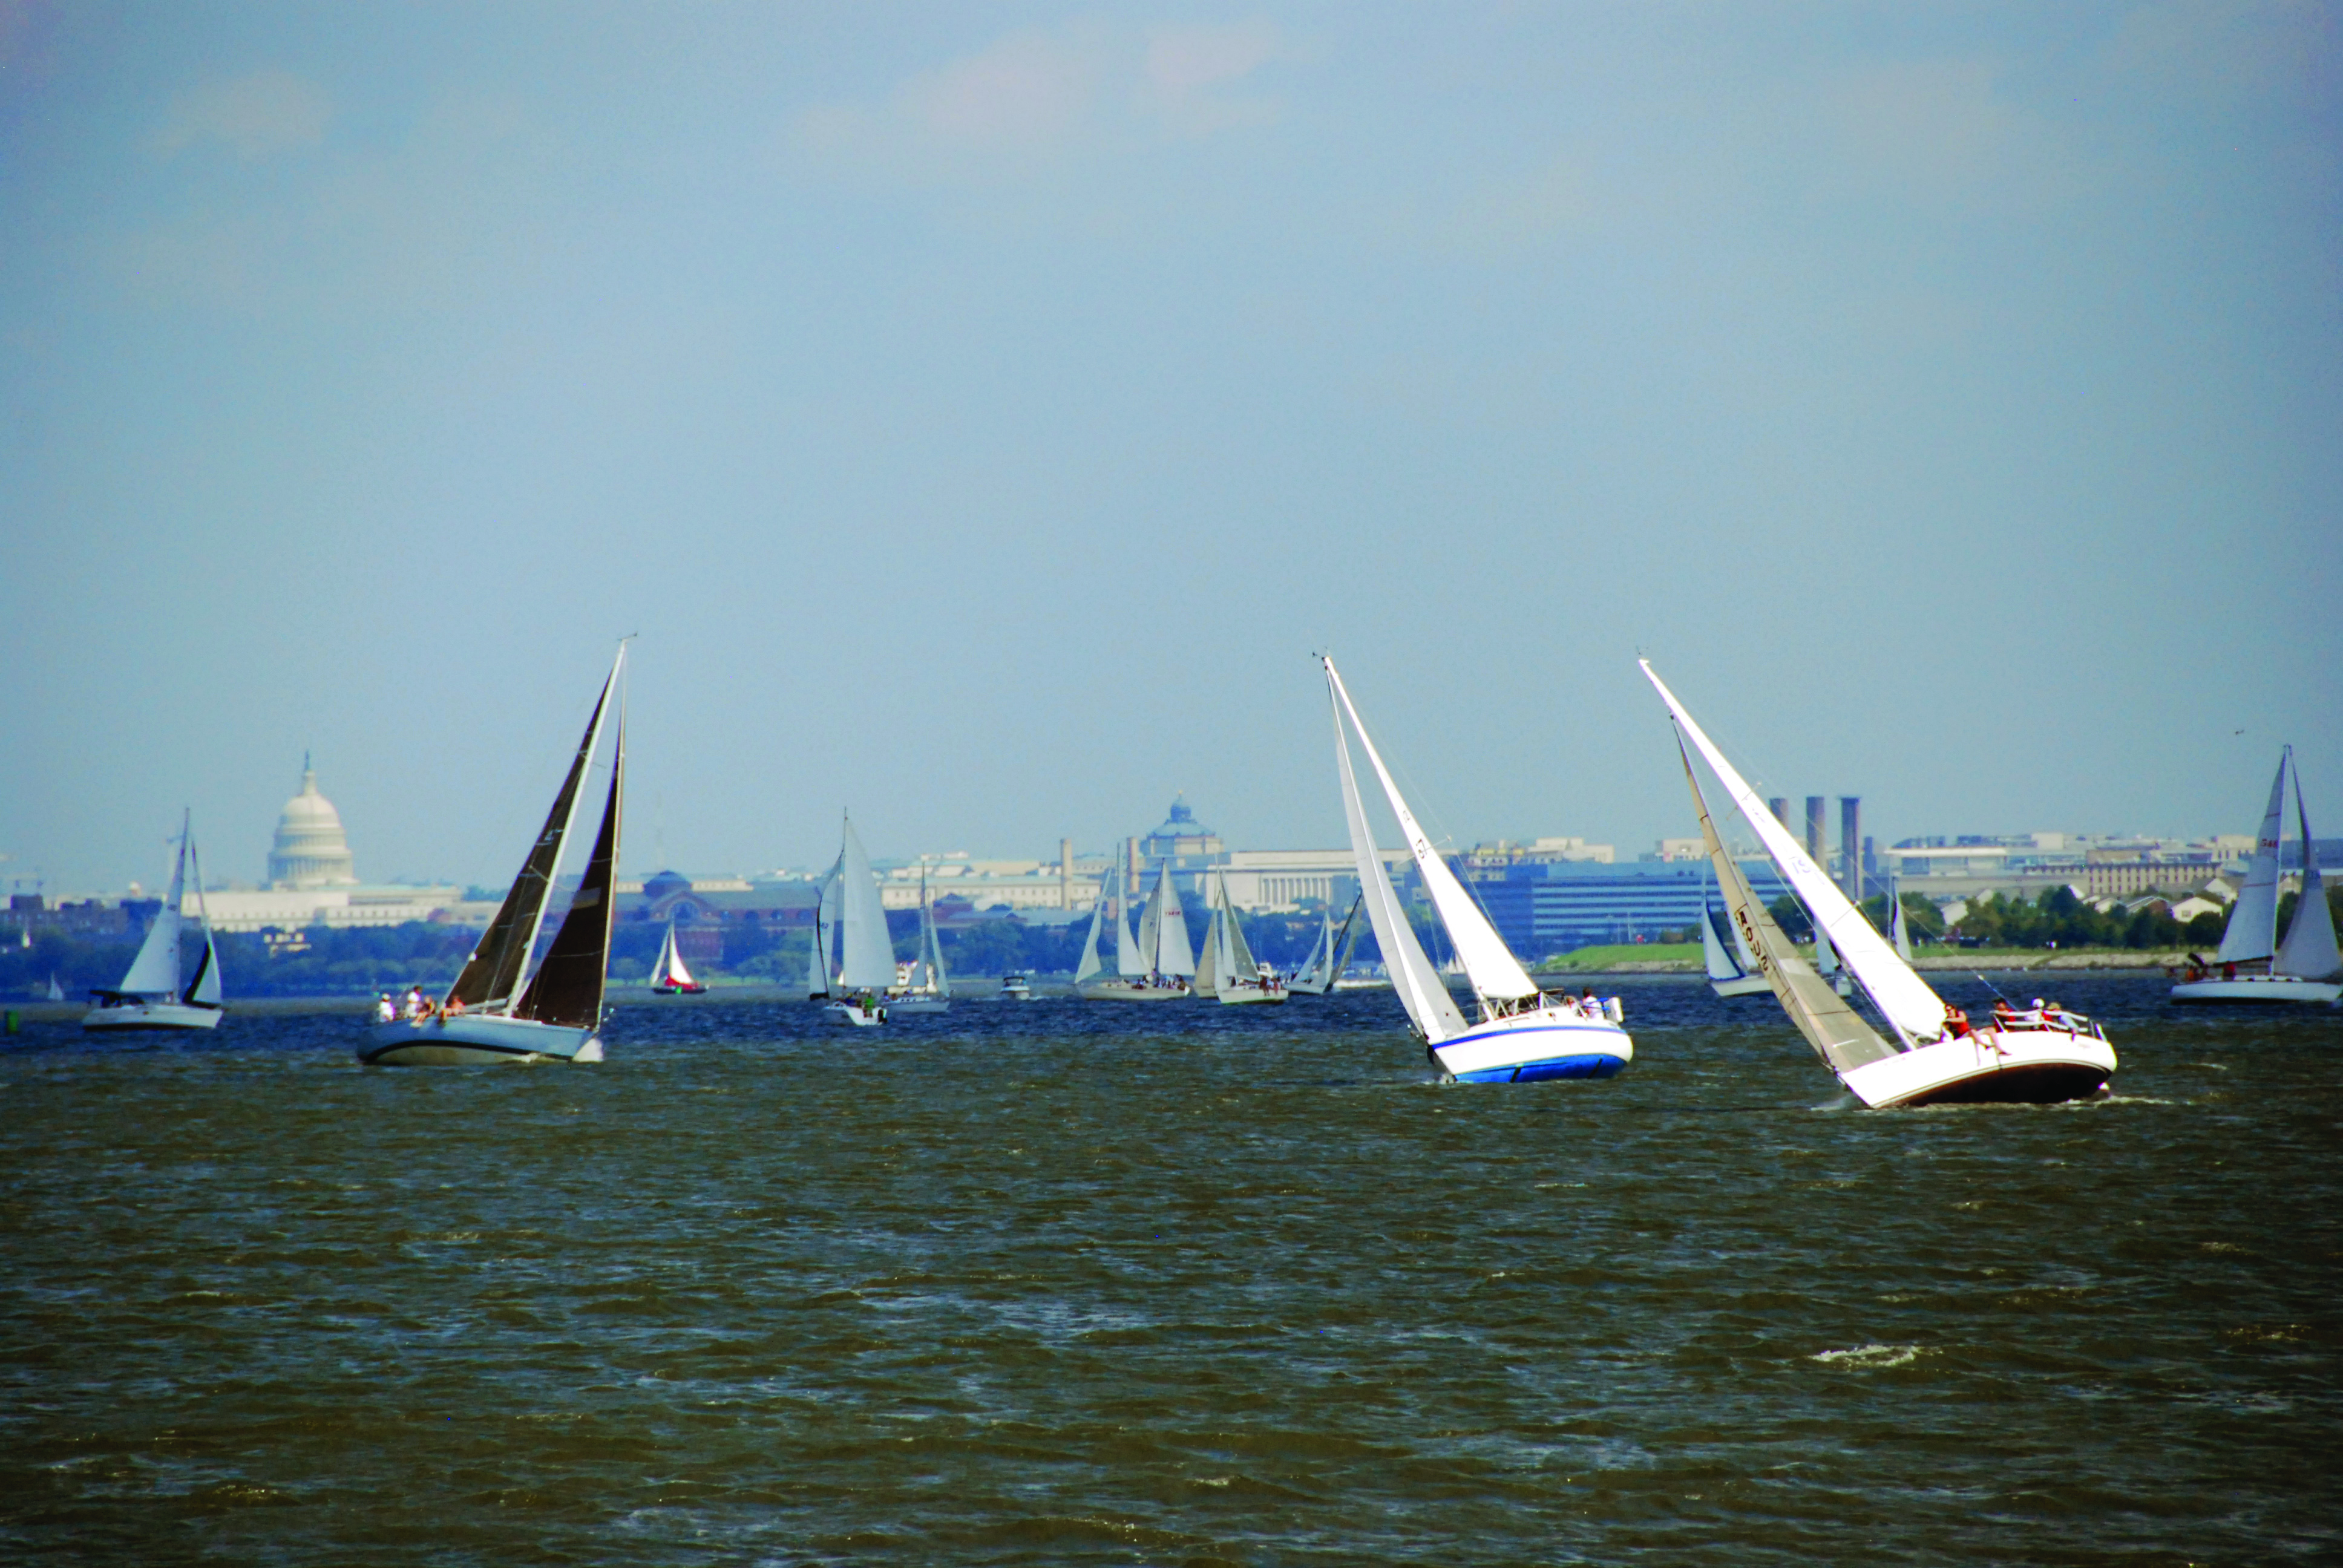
x: 1163, y: 932
x: 1522, y: 1034
x: 497, y: 1009
x: 922, y: 985
x: 1827, y: 963
x: 1732, y: 970
x: 670, y: 976
x: 1227, y: 969
x: 1129, y: 981
x: 866, y: 954
x: 56, y: 991
x: 1935, y: 1057
x: 150, y: 995
x: 1899, y: 924
x: 2305, y: 966
x: 1329, y: 955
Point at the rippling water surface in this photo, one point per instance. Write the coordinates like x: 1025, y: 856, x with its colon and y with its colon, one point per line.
x: 1081, y: 1282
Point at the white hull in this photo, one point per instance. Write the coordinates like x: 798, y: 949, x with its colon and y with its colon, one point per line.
x: 473, y: 1040
x: 1546, y: 1043
x: 2259, y: 987
x: 1747, y: 985
x: 918, y: 1004
x: 1247, y: 995
x: 1017, y: 993
x: 135, y: 1015
x: 2023, y: 1066
x: 1127, y: 991
x: 847, y: 1012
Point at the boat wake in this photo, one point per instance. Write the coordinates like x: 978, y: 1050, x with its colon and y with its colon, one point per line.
x: 1869, y: 1357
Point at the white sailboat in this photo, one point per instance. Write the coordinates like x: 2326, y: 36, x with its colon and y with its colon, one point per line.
x: 499, y: 1010
x: 2252, y: 965
x: 1130, y: 981
x: 866, y: 954
x: 1899, y: 924
x: 1732, y: 970
x: 150, y: 995
x: 1522, y: 1034
x: 56, y: 991
x: 1227, y: 969
x: 670, y: 976
x: 1329, y: 955
x: 921, y: 985
x: 1163, y: 933
x: 1935, y: 1057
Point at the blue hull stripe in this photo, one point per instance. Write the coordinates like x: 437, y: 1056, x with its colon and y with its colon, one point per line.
x: 1594, y: 1064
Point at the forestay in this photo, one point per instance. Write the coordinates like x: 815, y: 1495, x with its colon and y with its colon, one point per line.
x: 1835, y: 1030
x: 2252, y: 931
x: 1429, y: 1006
x: 1902, y: 996
x: 1493, y: 970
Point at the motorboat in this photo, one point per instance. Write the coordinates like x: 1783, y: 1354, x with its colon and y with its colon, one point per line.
x: 1932, y: 1055
x: 2252, y: 965
x: 151, y: 996
x: 501, y: 1009
x: 1016, y: 988
x: 1521, y: 1034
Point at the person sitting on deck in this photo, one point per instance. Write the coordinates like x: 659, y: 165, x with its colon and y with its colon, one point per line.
x: 1956, y: 1022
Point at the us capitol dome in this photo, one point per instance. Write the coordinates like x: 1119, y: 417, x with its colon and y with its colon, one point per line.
x: 311, y: 850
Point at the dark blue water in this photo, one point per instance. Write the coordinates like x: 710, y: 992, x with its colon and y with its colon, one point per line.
x: 1086, y: 1283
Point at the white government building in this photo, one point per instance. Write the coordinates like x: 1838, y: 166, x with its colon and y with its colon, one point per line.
x: 313, y: 880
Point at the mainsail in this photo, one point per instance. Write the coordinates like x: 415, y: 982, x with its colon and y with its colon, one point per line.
x: 2252, y: 931
x: 1899, y: 924
x: 156, y: 970
x: 931, y: 950
x: 1916, y: 1012
x: 492, y: 975
x: 1091, y: 963
x: 866, y: 952
x: 1163, y: 933
x: 1130, y: 955
x: 1429, y: 1006
x: 205, y: 990
x: 568, y: 988
x: 1835, y: 1030
x: 1495, y: 973
x: 2309, y: 952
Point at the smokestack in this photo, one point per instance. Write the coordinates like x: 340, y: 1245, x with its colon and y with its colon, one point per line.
x: 1850, y: 845
x: 1780, y: 806
x: 1130, y: 860
x: 1065, y: 873
x: 1815, y: 847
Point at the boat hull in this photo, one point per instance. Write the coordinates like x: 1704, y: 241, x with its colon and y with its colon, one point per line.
x: 1246, y: 996
x: 1124, y: 990
x: 477, y: 1040
x: 1534, y: 1048
x: 1747, y: 985
x: 847, y: 1012
x: 2258, y: 989
x: 1991, y: 1067
x: 123, y: 1018
x: 918, y: 1004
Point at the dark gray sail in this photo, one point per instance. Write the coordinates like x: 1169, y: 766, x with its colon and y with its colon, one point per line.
x: 568, y: 989
x: 493, y: 971
x: 1835, y: 1030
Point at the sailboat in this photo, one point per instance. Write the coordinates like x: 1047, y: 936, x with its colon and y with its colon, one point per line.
x: 1329, y: 955
x: 1130, y: 981
x: 150, y: 995
x: 1934, y: 1057
x: 1522, y: 1034
x: 1827, y: 964
x: 499, y: 1010
x: 668, y: 975
x: 1899, y: 924
x: 1732, y: 970
x: 1163, y: 934
x: 921, y: 985
x: 1227, y: 969
x: 56, y: 991
x: 2306, y: 966
x: 866, y: 954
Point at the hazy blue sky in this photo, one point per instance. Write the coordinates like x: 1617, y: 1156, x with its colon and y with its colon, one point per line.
x: 982, y: 411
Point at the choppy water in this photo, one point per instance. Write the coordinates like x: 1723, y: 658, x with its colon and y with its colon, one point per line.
x: 1091, y: 1283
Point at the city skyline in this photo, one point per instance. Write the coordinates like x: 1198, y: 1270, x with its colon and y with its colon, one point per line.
x: 983, y: 413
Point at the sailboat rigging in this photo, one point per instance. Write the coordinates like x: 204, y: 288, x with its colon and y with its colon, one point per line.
x: 1522, y: 1034
x: 1934, y: 1056
x: 500, y: 1009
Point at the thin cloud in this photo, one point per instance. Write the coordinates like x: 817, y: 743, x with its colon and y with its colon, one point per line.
x: 1187, y: 73
x: 253, y: 116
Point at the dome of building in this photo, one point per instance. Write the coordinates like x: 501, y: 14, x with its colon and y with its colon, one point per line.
x: 311, y: 850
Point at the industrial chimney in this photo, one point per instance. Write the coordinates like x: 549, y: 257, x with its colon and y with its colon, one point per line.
x: 1815, y: 847
x: 1850, y: 845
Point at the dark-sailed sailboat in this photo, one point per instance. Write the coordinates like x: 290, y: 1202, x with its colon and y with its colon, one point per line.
x: 498, y: 1011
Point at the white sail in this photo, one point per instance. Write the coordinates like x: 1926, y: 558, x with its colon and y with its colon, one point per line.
x: 671, y: 970
x: 2309, y: 952
x: 865, y: 956
x: 1429, y: 1006
x: 931, y: 952
x: 1318, y: 974
x: 1091, y: 963
x: 823, y: 968
x: 1899, y: 924
x: 1713, y: 951
x: 1168, y: 954
x: 1489, y: 964
x: 205, y: 990
x: 1209, y: 963
x: 56, y: 991
x: 1900, y: 994
x: 1240, y: 951
x: 1129, y: 958
x: 2252, y: 931
x: 156, y: 970
x: 1825, y: 956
